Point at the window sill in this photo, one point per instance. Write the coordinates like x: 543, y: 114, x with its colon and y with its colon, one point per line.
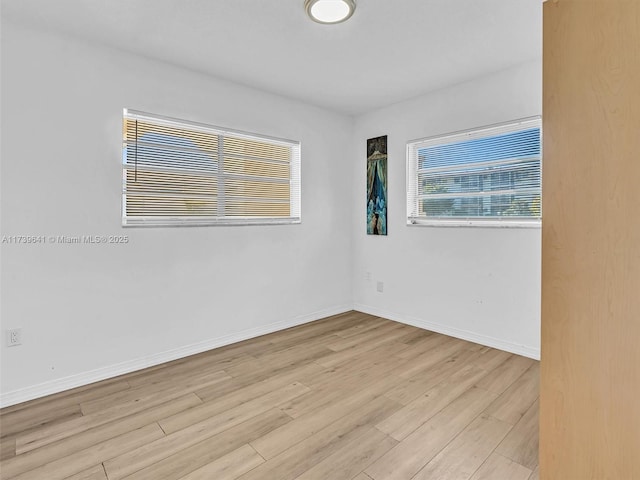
x: 535, y: 224
x: 205, y: 222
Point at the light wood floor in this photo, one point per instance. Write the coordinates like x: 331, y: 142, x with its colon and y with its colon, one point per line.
x: 351, y: 397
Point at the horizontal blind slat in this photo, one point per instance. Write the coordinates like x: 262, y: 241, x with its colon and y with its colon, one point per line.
x: 171, y: 174
x: 492, y: 173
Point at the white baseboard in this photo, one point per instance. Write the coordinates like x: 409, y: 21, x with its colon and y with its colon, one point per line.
x: 523, y: 350
x: 85, y: 378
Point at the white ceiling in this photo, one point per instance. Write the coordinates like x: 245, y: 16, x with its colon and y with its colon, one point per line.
x: 389, y: 51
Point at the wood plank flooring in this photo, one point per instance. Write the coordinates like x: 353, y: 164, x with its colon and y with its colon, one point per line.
x: 349, y: 397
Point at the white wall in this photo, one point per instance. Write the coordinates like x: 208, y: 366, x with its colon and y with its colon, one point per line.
x: 91, y: 311
x: 482, y: 284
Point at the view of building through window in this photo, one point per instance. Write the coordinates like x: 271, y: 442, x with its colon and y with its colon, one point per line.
x: 485, y: 174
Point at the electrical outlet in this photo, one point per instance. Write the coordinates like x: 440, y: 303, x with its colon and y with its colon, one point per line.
x: 367, y: 276
x: 14, y: 337
x: 380, y: 287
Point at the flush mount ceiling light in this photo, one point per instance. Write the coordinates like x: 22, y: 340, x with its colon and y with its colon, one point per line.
x: 329, y: 11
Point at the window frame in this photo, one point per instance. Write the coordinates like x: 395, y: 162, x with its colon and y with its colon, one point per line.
x: 295, y: 177
x: 475, y: 133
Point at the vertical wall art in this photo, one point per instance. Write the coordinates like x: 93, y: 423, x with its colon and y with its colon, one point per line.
x: 377, y: 186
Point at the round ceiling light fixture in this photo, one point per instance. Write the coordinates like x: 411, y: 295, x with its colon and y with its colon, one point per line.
x: 329, y: 11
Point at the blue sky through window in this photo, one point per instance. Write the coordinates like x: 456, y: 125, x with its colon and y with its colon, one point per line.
x: 162, y: 150
x: 521, y: 144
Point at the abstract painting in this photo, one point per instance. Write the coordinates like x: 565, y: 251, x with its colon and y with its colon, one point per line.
x: 377, y: 186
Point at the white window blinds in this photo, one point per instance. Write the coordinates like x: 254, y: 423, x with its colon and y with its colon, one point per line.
x: 179, y: 173
x: 484, y: 176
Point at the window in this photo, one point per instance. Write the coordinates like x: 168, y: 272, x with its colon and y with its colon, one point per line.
x: 183, y: 173
x: 486, y: 177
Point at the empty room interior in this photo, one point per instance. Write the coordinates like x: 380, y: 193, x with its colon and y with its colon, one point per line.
x: 320, y: 240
